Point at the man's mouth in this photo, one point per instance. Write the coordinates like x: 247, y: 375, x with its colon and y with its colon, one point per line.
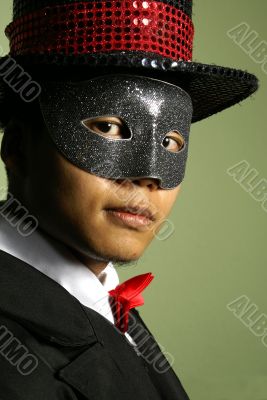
x: 136, y: 210
x: 132, y: 216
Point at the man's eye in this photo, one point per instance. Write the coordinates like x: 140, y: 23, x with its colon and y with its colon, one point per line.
x: 108, y: 129
x: 173, y: 142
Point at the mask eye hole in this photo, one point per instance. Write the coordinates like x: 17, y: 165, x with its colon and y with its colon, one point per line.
x: 108, y: 126
x: 173, y: 142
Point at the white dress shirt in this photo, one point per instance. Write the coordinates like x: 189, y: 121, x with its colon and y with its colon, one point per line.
x: 53, y: 259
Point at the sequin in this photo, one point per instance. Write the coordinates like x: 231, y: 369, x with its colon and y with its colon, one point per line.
x: 25, y: 7
x: 132, y: 25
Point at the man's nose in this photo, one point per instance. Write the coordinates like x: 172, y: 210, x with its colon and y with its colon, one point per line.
x: 151, y: 183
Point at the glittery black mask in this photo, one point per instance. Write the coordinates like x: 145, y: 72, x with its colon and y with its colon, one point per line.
x: 149, y: 110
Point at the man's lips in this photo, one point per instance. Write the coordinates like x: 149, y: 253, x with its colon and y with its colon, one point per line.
x: 131, y: 217
x: 138, y: 211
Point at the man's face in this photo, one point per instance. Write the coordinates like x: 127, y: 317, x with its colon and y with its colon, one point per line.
x: 71, y: 205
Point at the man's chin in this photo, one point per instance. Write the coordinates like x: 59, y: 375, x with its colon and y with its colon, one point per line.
x: 106, y: 255
x: 118, y: 259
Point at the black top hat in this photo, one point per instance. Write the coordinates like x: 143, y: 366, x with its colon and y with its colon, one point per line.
x: 152, y: 38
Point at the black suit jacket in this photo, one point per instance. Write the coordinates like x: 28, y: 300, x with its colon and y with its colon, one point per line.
x: 53, y: 348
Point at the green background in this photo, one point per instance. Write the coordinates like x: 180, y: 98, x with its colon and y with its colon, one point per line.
x: 218, y: 249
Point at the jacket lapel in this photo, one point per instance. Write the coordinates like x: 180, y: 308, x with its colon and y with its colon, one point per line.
x: 110, y: 368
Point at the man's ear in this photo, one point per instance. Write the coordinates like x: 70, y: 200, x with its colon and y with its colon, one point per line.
x: 14, y: 145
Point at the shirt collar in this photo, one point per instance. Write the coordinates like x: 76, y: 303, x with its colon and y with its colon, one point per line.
x: 53, y: 259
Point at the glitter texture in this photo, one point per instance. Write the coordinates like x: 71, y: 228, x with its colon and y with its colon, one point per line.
x: 149, y: 108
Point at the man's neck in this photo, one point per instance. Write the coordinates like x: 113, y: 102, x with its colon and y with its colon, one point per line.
x: 97, y: 267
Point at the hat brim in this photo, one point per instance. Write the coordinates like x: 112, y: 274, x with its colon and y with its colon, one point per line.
x: 211, y: 87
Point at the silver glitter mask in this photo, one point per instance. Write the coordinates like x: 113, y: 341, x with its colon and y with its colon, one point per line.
x: 148, y: 108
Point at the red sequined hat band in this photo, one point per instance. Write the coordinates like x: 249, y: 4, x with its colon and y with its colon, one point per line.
x: 103, y: 26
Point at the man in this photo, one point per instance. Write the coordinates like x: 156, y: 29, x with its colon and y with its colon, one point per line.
x: 95, y: 162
